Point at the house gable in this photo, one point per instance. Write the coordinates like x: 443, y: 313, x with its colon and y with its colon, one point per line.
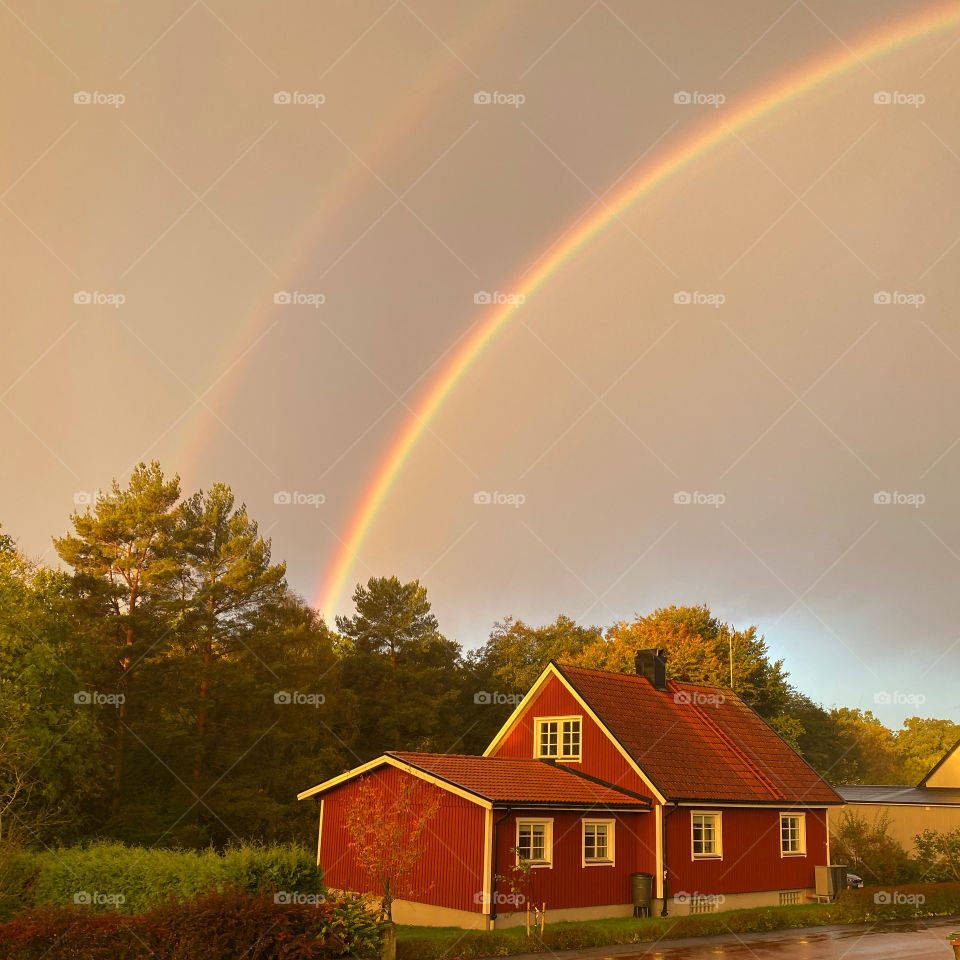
x: 601, y: 753
x: 946, y: 773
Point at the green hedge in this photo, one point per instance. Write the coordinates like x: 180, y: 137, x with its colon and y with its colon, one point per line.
x: 112, y: 876
x: 900, y: 901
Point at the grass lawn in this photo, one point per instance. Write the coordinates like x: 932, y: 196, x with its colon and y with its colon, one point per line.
x: 428, y: 943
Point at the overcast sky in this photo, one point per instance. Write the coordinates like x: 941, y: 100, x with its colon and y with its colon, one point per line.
x: 387, y: 198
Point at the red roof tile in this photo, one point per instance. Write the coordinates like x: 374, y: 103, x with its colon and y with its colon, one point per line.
x: 508, y: 780
x: 699, y: 743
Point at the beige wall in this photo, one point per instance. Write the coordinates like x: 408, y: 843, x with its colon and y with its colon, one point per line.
x: 948, y: 774
x: 906, y: 820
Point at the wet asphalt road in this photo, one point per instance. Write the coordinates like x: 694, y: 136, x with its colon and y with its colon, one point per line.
x: 897, y: 940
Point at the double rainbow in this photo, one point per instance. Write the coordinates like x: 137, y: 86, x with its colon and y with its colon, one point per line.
x: 773, y: 97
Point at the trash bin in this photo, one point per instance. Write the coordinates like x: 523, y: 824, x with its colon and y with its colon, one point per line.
x: 954, y: 939
x: 641, y: 890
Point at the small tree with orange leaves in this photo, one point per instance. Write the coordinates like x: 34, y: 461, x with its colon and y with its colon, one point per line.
x: 386, y: 826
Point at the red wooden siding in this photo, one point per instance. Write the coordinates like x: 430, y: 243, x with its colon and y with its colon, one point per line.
x: 450, y: 871
x: 600, y: 756
x: 751, y: 853
x: 568, y: 883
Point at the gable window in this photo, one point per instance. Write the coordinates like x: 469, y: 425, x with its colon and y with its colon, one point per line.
x: 598, y: 842
x: 535, y: 842
x: 793, y: 835
x: 558, y: 737
x: 706, y: 836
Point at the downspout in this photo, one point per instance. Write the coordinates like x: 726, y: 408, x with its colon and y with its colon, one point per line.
x: 493, y: 867
x: 663, y: 857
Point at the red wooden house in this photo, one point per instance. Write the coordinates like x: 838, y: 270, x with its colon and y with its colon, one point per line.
x: 597, y: 776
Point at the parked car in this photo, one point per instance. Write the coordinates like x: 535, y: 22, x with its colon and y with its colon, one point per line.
x: 854, y: 882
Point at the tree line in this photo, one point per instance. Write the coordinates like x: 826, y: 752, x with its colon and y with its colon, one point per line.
x: 165, y: 685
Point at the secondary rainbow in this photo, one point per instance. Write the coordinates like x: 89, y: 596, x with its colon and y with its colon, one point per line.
x: 702, y: 142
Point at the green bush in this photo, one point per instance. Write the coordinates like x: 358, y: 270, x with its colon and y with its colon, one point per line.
x: 134, y: 879
x: 896, y: 902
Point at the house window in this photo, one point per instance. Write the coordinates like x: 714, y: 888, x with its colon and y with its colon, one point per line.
x: 535, y: 842
x: 793, y: 835
x: 707, y: 841
x: 558, y: 737
x: 598, y: 842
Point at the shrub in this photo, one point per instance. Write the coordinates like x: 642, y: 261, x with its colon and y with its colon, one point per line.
x: 939, y: 854
x: 210, y: 927
x: 899, y: 901
x: 870, y: 852
x: 134, y: 879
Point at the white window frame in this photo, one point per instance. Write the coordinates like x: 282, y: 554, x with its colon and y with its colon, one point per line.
x: 547, y: 840
x: 610, y: 859
x: 718, y: 816
x: 538, y: 723
x: 801, y: 834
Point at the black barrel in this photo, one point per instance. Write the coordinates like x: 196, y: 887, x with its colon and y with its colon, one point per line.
x: 641, y: 891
